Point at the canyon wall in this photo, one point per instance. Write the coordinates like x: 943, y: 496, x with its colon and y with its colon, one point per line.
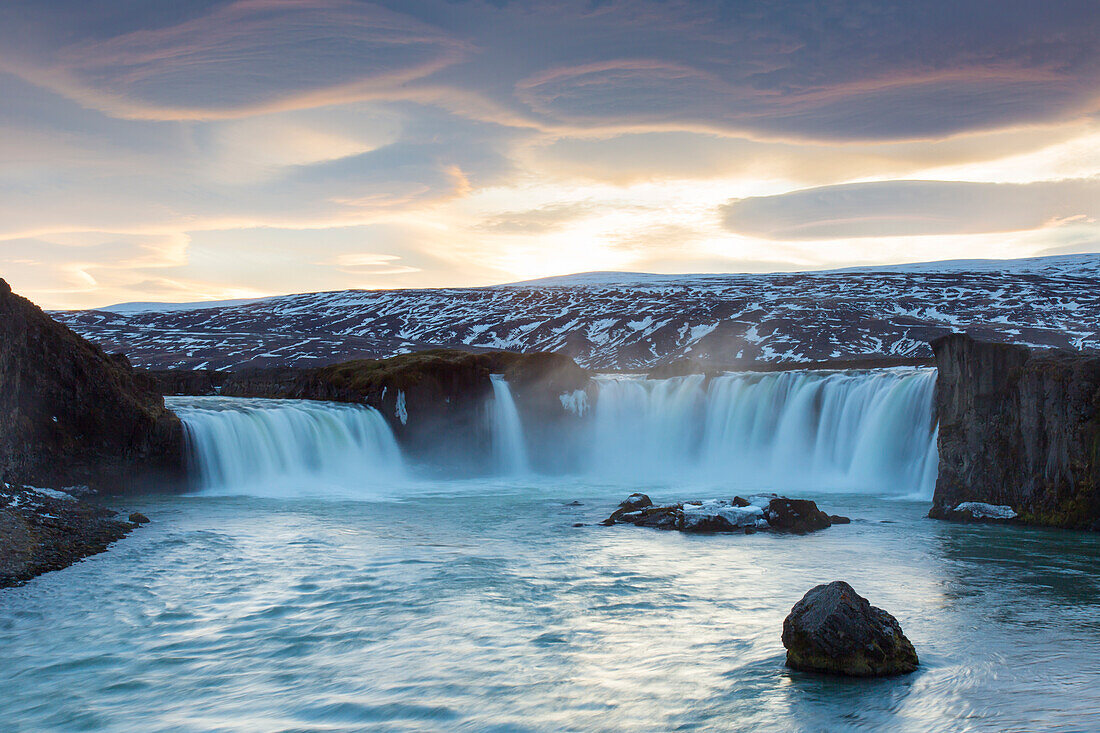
x: 71, y: 414
x: 1019, y: 427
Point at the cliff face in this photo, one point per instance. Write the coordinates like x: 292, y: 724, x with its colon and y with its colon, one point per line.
x: 184, y: 381
x: 435, y: 400
x: 71, y: 414
x: 1019, y: 427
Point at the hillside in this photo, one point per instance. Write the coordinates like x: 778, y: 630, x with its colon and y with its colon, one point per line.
x: 632, y: 321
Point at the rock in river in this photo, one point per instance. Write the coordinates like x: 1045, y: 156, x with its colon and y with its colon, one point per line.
x: 762, y: 512
x: 835, y: 630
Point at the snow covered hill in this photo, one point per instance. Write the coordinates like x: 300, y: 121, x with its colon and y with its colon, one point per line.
x: 632, y: 321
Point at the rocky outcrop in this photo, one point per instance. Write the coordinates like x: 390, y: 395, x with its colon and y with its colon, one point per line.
x: 71, y: 414
x: 1018, y: 428
x: 196, y: 382
x: 43, y: 530
x: 835, y: 630
x: 762, y: 512
x: 435, y: 399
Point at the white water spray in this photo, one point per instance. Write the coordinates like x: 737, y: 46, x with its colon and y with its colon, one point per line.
x: 267, y: 446
x: 790, y: 431
x: 866, y: 431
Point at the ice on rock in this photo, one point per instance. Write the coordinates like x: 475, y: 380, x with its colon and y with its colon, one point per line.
x: 981, y: 510
x: 575, y: 402
x: 747, y: 516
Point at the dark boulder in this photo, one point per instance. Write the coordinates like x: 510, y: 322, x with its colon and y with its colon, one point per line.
x: 835, y: 630
x: 633, y: 504
x: 138, y: 518
x: 795, y: 515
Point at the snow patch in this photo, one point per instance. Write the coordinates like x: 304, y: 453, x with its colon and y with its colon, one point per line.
x: 738, y: 516
x: 575, y: 402
x: 981, y: 510
x: 53, y: 493
x: 401, y: 413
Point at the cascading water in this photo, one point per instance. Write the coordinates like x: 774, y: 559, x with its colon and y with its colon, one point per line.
x: 869, y: 431
x: 509, y: 445
x: 789, y: 431
x: 266, y: 446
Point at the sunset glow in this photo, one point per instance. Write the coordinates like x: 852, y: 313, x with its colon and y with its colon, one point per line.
x: 210, y: 150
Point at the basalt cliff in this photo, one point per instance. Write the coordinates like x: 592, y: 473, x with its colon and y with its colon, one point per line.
x: 71, y: 414
x: 434, y: 400
x: 1018, y: 427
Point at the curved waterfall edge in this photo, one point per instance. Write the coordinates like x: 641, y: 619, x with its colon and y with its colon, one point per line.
x: 870, y: 431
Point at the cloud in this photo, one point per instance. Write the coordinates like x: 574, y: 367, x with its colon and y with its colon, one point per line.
x: 628, y: 158
x: 908, y: 208
x: 63, y: 268
x: 806, y: 69
x: 303, y: 144
x: 362, y: 263
x: 660, y: 241
x: 66, y: 168
x: 842, y: 70
x: 538, y: 221
x: 241, y: 58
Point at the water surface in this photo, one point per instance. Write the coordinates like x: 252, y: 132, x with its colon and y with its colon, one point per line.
x: 477, y: 606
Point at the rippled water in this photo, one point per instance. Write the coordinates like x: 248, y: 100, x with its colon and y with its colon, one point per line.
x: 485, y: 609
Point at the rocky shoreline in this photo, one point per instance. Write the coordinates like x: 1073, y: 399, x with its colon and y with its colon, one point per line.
x: 46, y: 529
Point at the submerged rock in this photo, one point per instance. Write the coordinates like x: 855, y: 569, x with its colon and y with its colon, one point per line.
x: 835, y: 630
x: 756, y: 513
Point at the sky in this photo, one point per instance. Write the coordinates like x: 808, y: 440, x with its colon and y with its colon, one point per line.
x: 157, y: 150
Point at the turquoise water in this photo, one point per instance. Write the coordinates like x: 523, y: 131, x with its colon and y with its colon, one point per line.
x: 479, y: 607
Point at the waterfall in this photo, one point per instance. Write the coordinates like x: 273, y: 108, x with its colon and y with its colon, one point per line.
x: 787, y: 432
x: 790, y: 431
x: 265, y: 446
x: 509, y: 445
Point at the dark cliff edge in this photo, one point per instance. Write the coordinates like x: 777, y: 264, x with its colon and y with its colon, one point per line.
x: 685, y: 365
x: 71, y: 414
x: 435, y: 400
x: 191, y: 382
x: 1018, y: 427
